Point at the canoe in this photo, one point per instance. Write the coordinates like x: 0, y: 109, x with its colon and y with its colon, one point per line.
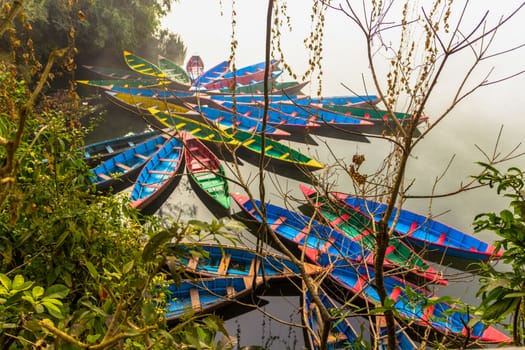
x: 210, y: 75
x: 205, y: 295
x: 321, y: 117
x: 223, y: 119
x: 426, y: 233
x: 126, y: 83
x: 116, y: 73
x: 97, y: 152
x: 157, y: 174
x: 374, y: 115
x: 298, y: 99
x: 142, y: 65
x: 245, y: 75
x: 297, y: 229
x: 121, y: 170
x: 360, y: 229
x: 214, y: 260
x: 274, y: 150
x: 274, y: 117
x: 195, y: 66
x: 173, y: 71
x: 206, y: 170
x: 142, y: 104
x: 159, y: 93
x: 275, y: 87
x: 413, y: 306
x: 343, y: 334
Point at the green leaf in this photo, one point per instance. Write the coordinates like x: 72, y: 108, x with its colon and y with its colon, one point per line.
x: 148, y: 254
x: 18, y: 282
x: 92, y: 270
x: 53, y: 309
x: 57, y: 291
x: 127, y: 268
x: 6, y: 282
x: 37, y: 292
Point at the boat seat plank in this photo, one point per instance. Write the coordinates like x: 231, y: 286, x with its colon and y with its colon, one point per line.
x: 168, y: 160
x: 122, y: 166
x: 160, y: 172
x: 195, y: 299
x: 230, y: 291
x: 141, y: 156
x: 225, y: 263
x: 109, y: 149
x: 104, y: 176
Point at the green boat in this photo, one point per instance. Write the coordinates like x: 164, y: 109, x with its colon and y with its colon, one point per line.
x: 206, y: 170
x: 116, y: 73
x: 273, y: 149
x: 142, y: 66
x: 173, y: 71
x: 359, y: 229
x: 140, y: 104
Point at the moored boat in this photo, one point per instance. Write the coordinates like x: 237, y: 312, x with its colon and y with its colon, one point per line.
x: 120, y: 171
x: 223, y: 119
x: 210, y: 75
x: 425, y: 232
x: 213, y: 260
x: 174, y: 72
x: 117, y: 73
x: 125, y: 83
x: 157, y: 174
x: 142, y: 65
x: 359, y: 228
x: 97, y: 152
x: 372, y: 114
x: 205, y: 295
x: 274, y: 88
x: 206, y: 170
x: 410, y: 301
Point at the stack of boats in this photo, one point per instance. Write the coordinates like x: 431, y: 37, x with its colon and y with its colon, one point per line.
x: 225, y: 108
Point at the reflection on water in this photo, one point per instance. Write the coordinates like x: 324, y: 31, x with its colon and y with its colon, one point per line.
x: 183, y: 203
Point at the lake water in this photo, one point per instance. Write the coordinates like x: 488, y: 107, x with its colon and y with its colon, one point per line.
x: 254, y: 327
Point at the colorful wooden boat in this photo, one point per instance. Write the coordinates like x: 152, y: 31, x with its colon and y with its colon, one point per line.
x: 116, y: 73
x: 157, y: 174
x: 223, y: 119
x: 274, y: 117
x: 142, y: 65
x: 206, y: 170
x: 274, y: 150
x: 413, y: 306
x: 424, y: 232
x: 142, y: 104
x: 245, y: 75
x: 371, y: 114
x: 205, y: 295
x: 174, y: 72
x: 274, y: 88
x: 210, y: 75
x: 120, y: 171
x: 125, y: 83
x: 159, y: 93
x: 360, y: 229
x: 97, y: 152
x: 297, y: 229
x: 321, y: 117
x: 299, y: 99
x: 195, y: 66
x: 343, y: 334
x: 214, y: 260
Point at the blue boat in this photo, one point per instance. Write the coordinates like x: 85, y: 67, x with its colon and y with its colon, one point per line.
x: 97, y: 152
x: 213, y: 260
x: 225, y: 120
x: 412, y: 306
x: 120, y: 171
x: 300, y: 99
x: 343, y: 335
x: 205, y: 295
x: 210, y: 75
x: 158, y: 173
x: 274, y: 117
x: 424, y: 232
